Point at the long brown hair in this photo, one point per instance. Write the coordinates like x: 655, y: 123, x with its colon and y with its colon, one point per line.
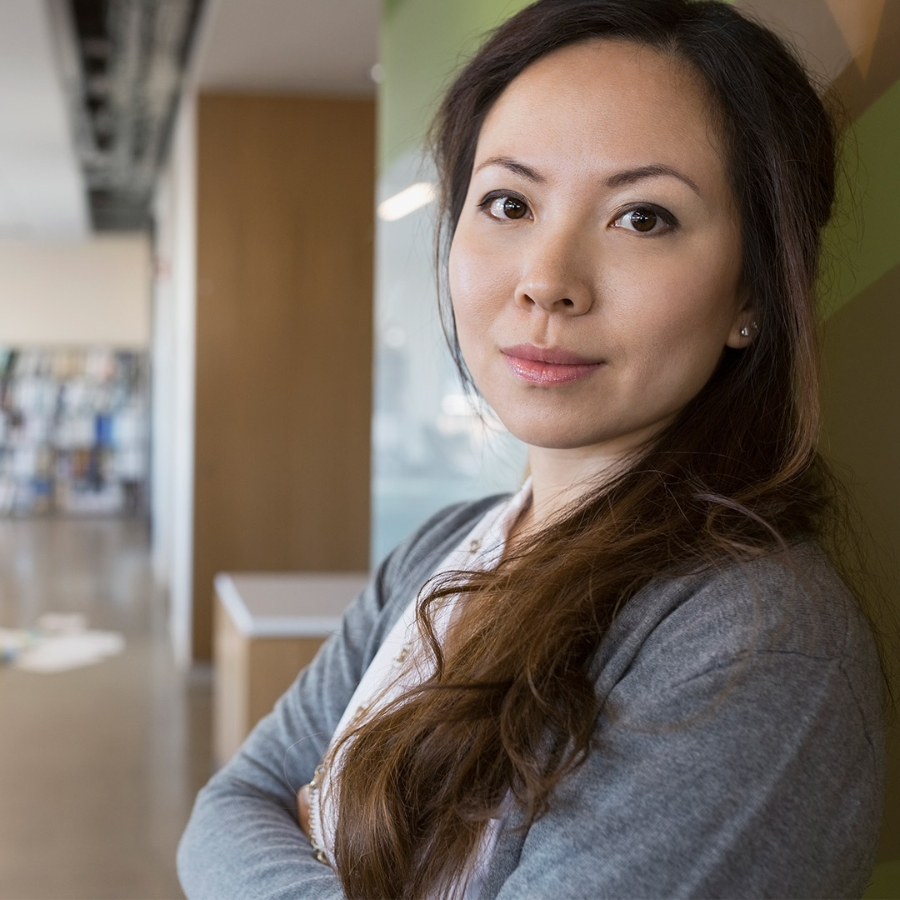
x: 736, y: 475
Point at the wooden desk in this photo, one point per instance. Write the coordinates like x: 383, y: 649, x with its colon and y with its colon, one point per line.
x: 267, y: 628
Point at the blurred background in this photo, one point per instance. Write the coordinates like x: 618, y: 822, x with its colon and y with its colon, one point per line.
x: 220, y: 355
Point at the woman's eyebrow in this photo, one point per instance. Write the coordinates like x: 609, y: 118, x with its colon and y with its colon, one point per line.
x: 630, y: 176
x: 511, y: 165
x: 619, y: 179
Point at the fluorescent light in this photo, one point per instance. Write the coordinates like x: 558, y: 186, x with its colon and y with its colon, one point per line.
x: 409, y: 200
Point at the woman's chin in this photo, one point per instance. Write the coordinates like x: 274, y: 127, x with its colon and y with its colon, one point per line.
x: 612, y: 442
x: 549, y: 435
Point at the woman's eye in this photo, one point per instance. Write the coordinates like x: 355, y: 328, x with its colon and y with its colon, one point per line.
x: 643, y: 219
x: 506, y: 207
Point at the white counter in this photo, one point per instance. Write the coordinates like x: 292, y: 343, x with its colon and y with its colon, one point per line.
x: 286, y: 605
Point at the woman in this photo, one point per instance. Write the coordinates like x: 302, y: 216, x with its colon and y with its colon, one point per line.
x: 640, y: 676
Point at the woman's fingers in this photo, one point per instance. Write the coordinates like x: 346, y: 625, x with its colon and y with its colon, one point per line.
x: 303, y: 809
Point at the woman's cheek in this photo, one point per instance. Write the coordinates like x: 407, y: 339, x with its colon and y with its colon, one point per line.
x: 480, y: 257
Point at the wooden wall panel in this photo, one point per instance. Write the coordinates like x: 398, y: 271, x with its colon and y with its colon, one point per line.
x: 285, y: 226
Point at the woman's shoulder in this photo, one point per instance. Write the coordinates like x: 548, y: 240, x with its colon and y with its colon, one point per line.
x: 793, y: 601
x: 790, y: 602
x: 791, y: 610
x: 740, y: 709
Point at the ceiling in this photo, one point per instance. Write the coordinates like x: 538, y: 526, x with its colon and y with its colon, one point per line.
x: 41, y: 187
x: 123, y: 64
x: 315, y: 46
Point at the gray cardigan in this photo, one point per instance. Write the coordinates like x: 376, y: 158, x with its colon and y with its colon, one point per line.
x: 739, y: 751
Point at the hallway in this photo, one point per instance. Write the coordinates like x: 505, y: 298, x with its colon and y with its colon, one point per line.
x: 98, y: 765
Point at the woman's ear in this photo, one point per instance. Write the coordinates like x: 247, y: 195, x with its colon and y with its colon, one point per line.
x: 744, y: 328
x: 743, y: 331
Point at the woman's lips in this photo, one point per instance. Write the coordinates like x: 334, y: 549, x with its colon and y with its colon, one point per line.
x: 547, y: 365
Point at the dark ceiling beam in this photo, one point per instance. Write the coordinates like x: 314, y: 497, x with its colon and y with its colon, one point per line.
x: 129, y: 59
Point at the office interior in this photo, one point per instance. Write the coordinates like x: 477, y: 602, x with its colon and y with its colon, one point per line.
x: 222, y: 377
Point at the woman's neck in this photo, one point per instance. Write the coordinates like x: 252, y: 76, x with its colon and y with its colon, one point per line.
x: 560, y: 479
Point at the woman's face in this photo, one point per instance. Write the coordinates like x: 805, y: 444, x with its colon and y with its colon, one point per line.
x: 595, y: 269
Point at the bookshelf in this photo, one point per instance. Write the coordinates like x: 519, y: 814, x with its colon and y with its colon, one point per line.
x: 73, y: 431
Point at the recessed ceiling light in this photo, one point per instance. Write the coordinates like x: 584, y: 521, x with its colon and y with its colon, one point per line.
x: 409, y: 200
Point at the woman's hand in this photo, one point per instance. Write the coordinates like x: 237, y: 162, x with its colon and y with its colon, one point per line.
x: 303, y: 810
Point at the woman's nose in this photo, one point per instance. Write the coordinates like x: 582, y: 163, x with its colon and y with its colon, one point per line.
x: 554, y: 278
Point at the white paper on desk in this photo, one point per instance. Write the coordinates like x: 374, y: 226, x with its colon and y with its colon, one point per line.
x: 62, y: 623
x: 14, y: 640
x: 57, y: 653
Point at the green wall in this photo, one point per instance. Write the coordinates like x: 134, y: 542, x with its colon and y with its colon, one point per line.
x: 864, y: 238
x: 423, y: 42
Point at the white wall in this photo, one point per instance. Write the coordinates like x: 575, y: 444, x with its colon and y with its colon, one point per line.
x: 174, y: 355
x: 162, y: 373
x: 92, y: 291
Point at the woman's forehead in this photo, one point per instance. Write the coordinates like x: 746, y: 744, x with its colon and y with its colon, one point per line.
x: 607, y: 103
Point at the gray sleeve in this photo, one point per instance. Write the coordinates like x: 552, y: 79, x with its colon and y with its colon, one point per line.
x: 756, y: 775
x: 243, y: 840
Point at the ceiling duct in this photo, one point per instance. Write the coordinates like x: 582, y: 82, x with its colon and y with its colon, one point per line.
x: 123, y: 64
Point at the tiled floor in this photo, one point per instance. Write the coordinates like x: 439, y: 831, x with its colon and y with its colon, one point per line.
x: 98, y: 766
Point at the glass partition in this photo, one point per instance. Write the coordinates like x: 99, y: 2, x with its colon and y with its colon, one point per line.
x: 431, y: 445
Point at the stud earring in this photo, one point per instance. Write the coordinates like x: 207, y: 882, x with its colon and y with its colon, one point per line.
x: 745, y: 331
